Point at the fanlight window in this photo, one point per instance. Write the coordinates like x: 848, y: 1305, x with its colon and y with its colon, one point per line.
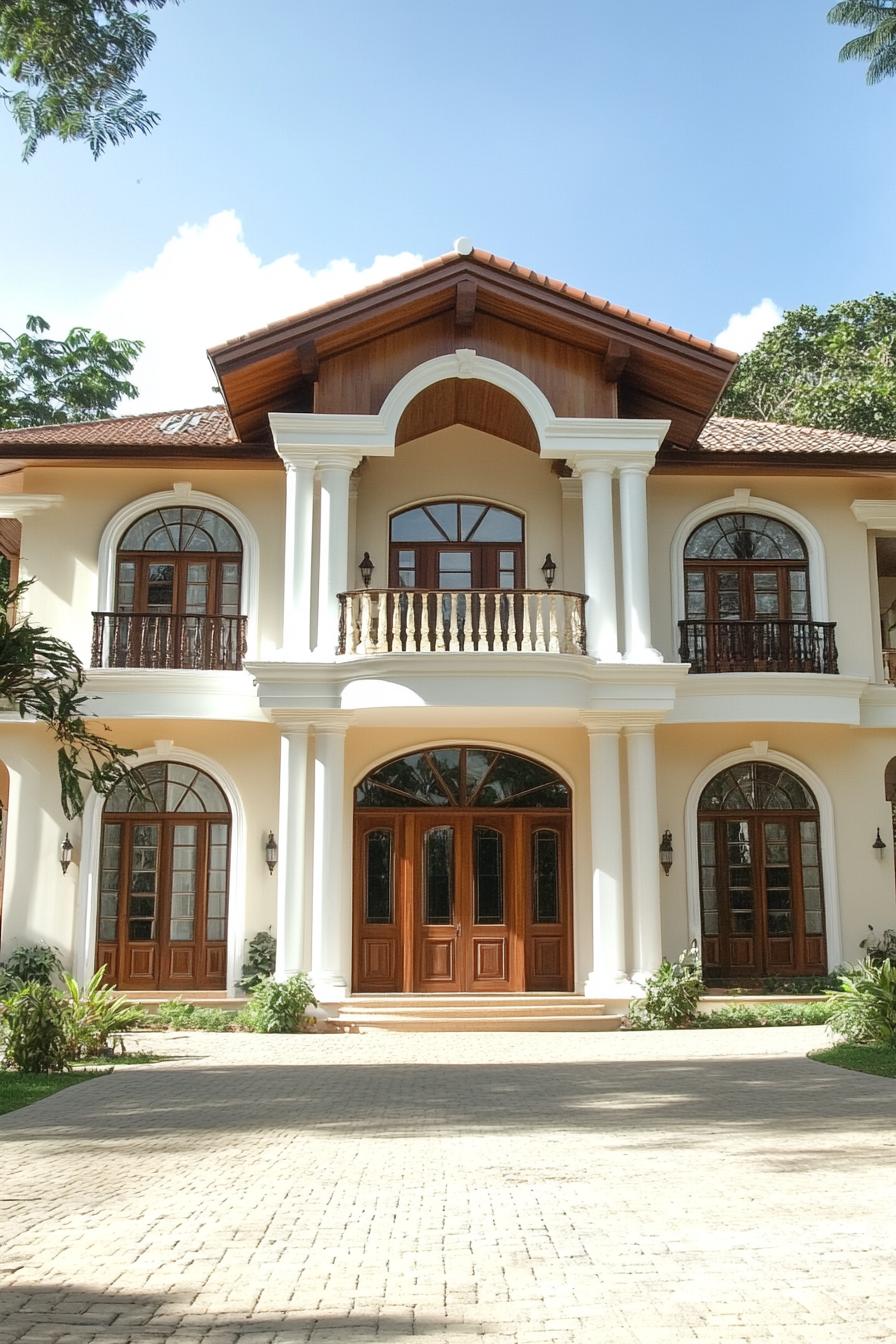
x: 166, y: 786
x: 457, y: 522
x: 745, y: 536
x: 174, y: 530
x: 756, y: 786
x: 462, y: 777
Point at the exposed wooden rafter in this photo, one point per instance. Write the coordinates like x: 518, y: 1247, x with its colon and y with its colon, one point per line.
x: 615, y: 360
x: 465, y: 304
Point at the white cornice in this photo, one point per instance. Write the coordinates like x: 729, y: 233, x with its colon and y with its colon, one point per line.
x: 877, y: 514
x: 19, y: 506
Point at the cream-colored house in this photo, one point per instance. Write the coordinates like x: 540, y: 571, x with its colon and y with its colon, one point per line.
x: 517, y: 668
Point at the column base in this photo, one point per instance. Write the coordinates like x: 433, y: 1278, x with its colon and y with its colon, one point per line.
x: 329, y: 988
x: 610, y: 987
x: 647, y: 655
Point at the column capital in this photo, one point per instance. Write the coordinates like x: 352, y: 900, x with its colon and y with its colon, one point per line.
x: 616, y: 440
x: 312, y: 457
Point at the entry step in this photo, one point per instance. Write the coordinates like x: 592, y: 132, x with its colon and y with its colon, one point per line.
x: 472, y: 1012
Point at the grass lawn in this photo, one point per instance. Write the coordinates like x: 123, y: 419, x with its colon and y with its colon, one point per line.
x: 20, y: 1089
x: 877, y: 1059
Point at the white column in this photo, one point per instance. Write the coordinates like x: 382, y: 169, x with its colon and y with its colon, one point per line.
x: 292, y: 864
x: 600, y: 563
x: 607, y: 976
x: 333, y: 574
x: 635, y: 569
x: 331, y: 895
x: 297, y: 556
x: 643, y: 832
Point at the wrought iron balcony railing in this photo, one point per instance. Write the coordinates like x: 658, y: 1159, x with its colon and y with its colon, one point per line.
x: 493, y: 620
x: 758, y: 646
x: 156, y: 640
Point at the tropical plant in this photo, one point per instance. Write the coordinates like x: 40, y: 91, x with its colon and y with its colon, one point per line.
x: 35, y: 962
x: 879, y: 947
x: 764, y: 1015
x: 877, y: 45
x: 95, y: 1017
x: 671, y: 994
x: 34, y: 1030
x: 261, y: 956
x: 800, y: 984
x: 279, y: 1006
x: 49, y: 382
x: 179, y: 1016
x: 76, y: 61
x: 864, y: 1008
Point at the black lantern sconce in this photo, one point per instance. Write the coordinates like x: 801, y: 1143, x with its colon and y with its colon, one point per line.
x: 666, y: 852
x: 879, y: 845
x: 270, y: 852
x: 366, y: 568
x: 549, y: 570
x: 65, y: 854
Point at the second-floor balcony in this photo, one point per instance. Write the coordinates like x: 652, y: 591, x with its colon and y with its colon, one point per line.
x: 489, y: 620
x: 758, y: 646
x: 165, y: 640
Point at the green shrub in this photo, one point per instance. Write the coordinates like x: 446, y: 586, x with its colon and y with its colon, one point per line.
x: 33, y: 963
x: 800, y: 984
x: 863, y: 1010
x: 179, y: 1016
x: 175, y: 1015
x: 279, y: 1006
x: 34, y: 1030
x: 95, y: 1017
x: 670, y: 995
x: 261, y: 956
x: 881, y: 947
x: 765, y: 1015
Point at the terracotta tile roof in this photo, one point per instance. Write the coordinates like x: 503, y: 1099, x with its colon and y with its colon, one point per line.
x: 495, y: 263
x: 205, y: 426
x: 725, y: 434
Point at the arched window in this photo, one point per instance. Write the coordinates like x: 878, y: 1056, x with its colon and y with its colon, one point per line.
x: 463, y: 777
x: 761, y: 890
x: 177, y: 592
x: 456, y: 544
x: 162, y: 919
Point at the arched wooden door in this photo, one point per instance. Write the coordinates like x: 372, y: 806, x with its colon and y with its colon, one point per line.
x: 761, y: 889
x: 462, y: 874
x: 162, y: 918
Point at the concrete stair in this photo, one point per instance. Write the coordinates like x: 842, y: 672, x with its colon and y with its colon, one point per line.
x: 471, y: 1012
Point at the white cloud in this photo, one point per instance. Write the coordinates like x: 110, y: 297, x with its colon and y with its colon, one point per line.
x: 207, y: 286
x: 745, y: 330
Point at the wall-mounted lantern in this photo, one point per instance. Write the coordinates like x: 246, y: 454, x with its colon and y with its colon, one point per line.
x: 366, y: 568
x: 65, y: 854
x: 549, y: 570
x: 879, y: 845
x: 666, y: 852
x: 270, y: 852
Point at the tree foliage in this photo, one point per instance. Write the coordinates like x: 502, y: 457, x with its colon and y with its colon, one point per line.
x: 47, y: 382
x: 877, y: 45
x: 42, y: 678
x: 834, y: 369
x: 75, y: 62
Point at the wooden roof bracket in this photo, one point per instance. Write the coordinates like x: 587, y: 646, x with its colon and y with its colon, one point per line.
x: 465, y: 304
x: 615, y: 360
x: 308, y: 359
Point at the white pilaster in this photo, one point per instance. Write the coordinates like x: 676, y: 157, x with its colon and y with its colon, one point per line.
x: 635, y: 570
x: 608, y: 975
x: 600, y: 567
x: 292, y: 866
x: 331, y: 886
x: 333, y: 574
x: 298, y: 558
x: 643, y: 832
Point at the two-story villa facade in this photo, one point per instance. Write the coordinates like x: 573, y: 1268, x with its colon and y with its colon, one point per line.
x: 466, y: 651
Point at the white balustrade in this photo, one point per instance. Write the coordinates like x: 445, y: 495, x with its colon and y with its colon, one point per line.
x: 396, y: 620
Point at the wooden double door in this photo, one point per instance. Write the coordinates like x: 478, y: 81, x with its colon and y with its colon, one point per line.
x: 454, y: 901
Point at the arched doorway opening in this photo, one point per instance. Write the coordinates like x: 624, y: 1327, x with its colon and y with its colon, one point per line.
x: 761, y: 886
x: 462, y: 874
x: 163, y: 881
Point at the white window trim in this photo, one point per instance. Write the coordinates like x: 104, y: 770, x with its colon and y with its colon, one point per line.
x: 744, y: 501
x: 183, y: 497
x: 827, y: 840
x: 88, y: 873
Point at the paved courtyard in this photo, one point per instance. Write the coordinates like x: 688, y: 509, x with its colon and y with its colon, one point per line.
x: 625, y: 1189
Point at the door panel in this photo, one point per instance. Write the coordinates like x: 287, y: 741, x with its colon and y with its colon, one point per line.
x: 439, y: 857
x: 377, y: 910
x: 485, y: 934
x: 547, y: 895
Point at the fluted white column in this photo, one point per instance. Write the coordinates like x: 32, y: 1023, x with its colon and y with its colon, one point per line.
x: 600, y: 564
x: 635, y: 569
x: 333, y: 572
x: 608, y: 973
x: 297, y: 557
x: 292, y: 865
x: 331, y: 881
x: 643, y: 832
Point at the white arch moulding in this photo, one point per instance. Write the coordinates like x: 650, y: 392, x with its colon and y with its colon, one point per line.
x: 744, y: 501
x: 833, y: 931
x: 89, y: 867
x: 183, y: 496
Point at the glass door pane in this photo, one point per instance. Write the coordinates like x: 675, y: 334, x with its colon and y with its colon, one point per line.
x: 216, y: 899
x: 766, y: 599
x: 183, y: 884
x: 739, y: 857
x: 488, y: 875
x: 438, y: 875
x: 813, y: 904
x: 143, y: 887
x: 545, y: 877
x: 778, y: 885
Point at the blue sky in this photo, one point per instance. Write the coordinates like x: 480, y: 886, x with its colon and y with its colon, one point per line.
x: 688, y: 160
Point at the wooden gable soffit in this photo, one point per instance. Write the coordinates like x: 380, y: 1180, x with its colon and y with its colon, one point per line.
x: 465, y: 304
x: 615, y: 360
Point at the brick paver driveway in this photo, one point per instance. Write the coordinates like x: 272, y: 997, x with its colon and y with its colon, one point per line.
x: 637, y: 1188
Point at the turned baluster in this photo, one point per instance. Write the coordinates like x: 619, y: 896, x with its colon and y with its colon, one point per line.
x: 453, y: 642
x: 361, y: 620
x: 425, y: 643
x: 539, y: 623
x: 380, y: 645
x: 527, y: 620
x: 553, y: 633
